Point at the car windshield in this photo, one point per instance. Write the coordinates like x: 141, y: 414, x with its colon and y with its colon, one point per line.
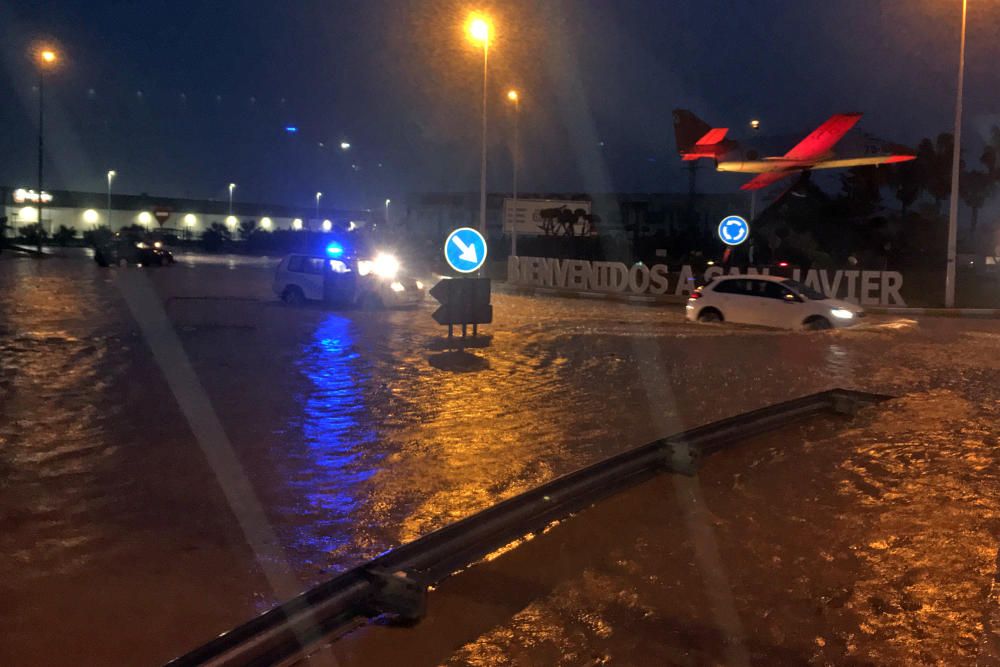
x: 325, y: 314
x: 804, y: 290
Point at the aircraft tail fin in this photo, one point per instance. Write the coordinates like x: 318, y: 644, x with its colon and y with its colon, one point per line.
x: 696, y: 138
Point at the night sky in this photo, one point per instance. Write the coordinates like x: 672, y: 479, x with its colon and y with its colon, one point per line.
x: 183, y: 97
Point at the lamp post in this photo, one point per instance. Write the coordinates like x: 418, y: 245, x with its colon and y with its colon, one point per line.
x: 232, y: 186
x: 513, y: 96
x: 387, y: 202
x: 754, y: 126
x: 479, y: 31
x: 111, y: 177
x: 46, y: 59
x: 319, y: 195
x: 949, y: 276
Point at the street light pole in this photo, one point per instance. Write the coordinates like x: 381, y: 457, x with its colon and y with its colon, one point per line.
x: 111, y: 176
x: 482, y: 165
x: 516, y: 99
x: 41, y: 141
x: 319, y: 195
x: 949, y: 277
x: 232, y: 186
x: 387, y: 202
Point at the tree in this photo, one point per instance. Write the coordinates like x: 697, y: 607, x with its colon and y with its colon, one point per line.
x: 35, y: 235
x: 934, y: 160
x: 64, y: 235
x: 213, y: 237
x: 904, y: 180
x: 976, y: 187
x: 862, y: 189
x: 247, y: 228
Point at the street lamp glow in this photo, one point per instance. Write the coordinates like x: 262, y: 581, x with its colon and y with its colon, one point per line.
x: 28, y: 214
x: 145, y: 218
x: 265, y: 223
x: 479, y: 29
x: 47, y: 57
x: 344, y: 145
x: 231, y: 221
x: 90, y: 216
x: 297, y: 224
x: 755, y: 124
x: 190, y: 220
x: 512, y: 95
x: 111, y: 176
x: 327, y: 225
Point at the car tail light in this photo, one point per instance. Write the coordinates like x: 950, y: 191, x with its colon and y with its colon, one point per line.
x: 695, y: 295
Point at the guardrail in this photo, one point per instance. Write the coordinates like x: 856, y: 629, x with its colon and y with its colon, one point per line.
x: 396, y: 582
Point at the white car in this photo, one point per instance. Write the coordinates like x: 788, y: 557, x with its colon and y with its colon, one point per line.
x: 342, y: 279
x: 770, y: 301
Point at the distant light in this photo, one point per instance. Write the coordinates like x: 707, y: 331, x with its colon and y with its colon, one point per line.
x: 512, y: 95
x: 297, y: 223
x: 344, y: 145
x: 478, y: 29
x: 388, y: 201
x: 28, y: 214
x: 90, y: 216
x: 231, y: 221
x: 232, y: 186
x: 711, y: 262
x: 396, y: 286
x: 783, y: 264
x: 21, y: 195
x: 291, y: 129
x: 190, y: 220
x: 755, y: 124
x: 335, y: 249
x: 265, y: 223
x: 351, y: 226
x: 48, y: 55
x: 420, y: 284
x: 145, y: 218
x: 111, y: 175
x: 327, y: 225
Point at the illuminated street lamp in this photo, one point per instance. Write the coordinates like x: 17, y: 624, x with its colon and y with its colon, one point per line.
x: 344, y: 145
x: 479, y: 30
x: 387, y: 202
x: 232, y: 186
x: 319, y: 195
x: 513, y: 96
x: 949, y: 276
x: 111, y: 177
x: 754, y: 124
x: 46, y: 59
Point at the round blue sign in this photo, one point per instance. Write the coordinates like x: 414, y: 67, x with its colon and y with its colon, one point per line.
x: 465, y: 250
x: 733, y: 230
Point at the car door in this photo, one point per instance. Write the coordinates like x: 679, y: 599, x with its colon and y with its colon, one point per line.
x: 736, y: 301
x: 780, y: 307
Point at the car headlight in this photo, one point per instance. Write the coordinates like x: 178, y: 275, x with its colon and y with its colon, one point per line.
x: 157, y: 244
x: 420, y: 284
x: 396, y: 286
x: 385, y: 266
x: 842, y: 313
x: 140, y: 244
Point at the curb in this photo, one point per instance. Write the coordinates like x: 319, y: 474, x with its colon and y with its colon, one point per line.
x: 937, y: 312
x: 637, y: 299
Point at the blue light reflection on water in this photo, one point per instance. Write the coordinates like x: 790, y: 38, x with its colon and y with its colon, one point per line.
x: 339, y: 442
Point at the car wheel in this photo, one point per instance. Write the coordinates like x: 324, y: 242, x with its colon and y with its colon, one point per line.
x: 293, y: 296
x: 817, y: 323
x: 710, y: 315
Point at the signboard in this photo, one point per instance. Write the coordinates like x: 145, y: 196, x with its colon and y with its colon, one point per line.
x: 465, y: 250
x: 527, y: 215
x: 162, y: 214
x: 869, y: 288
x: 734, y: 230
x: 21, y: 196
x: 463, y: 301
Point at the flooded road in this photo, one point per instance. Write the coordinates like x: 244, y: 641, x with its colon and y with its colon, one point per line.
x: 355, y: 432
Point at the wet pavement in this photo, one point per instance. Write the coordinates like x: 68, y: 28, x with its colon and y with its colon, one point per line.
x: 357, y: 431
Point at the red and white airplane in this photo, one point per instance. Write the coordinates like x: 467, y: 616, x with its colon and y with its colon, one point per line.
x: 825, y: 148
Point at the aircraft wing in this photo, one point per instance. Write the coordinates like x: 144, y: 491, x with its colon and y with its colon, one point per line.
x: 767, y: 178
x: 823, y: 138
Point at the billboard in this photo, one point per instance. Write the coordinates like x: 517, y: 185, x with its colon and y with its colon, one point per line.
x: 526, y: 216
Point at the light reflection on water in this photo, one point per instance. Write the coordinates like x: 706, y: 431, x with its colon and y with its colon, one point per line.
x: 338, y: 440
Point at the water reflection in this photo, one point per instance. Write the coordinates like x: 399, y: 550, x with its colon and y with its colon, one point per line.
x: 337, y: 439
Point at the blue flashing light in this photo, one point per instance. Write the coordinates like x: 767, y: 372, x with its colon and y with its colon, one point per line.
x: 291, y: 129
x: 335, y: 249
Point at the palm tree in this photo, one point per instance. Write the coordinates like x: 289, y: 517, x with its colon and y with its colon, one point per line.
x: 934, y: 160
x: 904, y: 179
x: 247, y: 228
x: 976, y: 187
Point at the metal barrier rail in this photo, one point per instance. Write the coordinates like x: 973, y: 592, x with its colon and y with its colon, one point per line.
x: 396, y: 582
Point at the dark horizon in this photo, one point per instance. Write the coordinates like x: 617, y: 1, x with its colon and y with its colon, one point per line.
x: 399, y: 82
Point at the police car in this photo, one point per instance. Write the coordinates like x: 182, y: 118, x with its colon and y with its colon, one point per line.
x: 346, y: 274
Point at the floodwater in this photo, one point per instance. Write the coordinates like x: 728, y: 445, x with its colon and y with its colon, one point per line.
x: 145, y: 508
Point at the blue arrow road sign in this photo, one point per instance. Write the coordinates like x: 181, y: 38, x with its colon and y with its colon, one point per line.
x: 465, y: 250
x: 733, y: 230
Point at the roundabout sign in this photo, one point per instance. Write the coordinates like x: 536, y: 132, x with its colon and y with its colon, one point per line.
x: 734, y: 230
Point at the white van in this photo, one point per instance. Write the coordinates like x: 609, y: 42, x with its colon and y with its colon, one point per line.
x: 344, y: 280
